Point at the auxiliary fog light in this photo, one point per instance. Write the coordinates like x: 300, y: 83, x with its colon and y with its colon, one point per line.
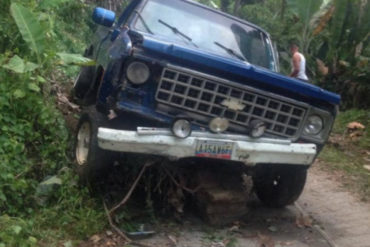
x: 138, y: 72
x: 219, y: 125
x: 257, y: 128
x: 181, y: 128
x: 314, y: 125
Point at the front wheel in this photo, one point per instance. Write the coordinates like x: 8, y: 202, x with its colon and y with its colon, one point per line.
x: 279, y: 185
x: 92, y: 161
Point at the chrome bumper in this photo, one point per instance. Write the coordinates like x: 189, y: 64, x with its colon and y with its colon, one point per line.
x: 245, y: 149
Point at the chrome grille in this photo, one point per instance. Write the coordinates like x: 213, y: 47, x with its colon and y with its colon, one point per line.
x: 202, y: 95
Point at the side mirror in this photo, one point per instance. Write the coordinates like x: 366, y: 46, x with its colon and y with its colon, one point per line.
x: 104, y: 17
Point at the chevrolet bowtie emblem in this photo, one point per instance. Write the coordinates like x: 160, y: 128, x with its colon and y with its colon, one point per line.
x: 233, y: 104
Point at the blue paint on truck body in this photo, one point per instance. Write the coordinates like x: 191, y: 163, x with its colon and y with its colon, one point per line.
x: 248, y: 71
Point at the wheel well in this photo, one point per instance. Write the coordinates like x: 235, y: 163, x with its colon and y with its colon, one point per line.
x: 91, y: 95
x: 99, y: 74
x: 98, y: 79
x: 89, y: 51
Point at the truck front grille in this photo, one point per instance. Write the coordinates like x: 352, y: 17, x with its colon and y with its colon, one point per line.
x: 203, y: 95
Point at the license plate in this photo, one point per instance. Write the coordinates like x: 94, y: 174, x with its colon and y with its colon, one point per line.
x: 214, y: 149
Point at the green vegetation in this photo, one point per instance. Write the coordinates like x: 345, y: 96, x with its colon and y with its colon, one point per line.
x: 361, y: 116
x: 212, y: 236
x: 350, y: 155
x: 37, y: 42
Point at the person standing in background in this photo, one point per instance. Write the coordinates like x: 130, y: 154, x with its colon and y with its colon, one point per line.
x: 298, y: 63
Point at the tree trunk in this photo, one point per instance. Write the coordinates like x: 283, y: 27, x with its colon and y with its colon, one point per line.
x: 345, y: 21
x: 225, y: 5
x: 114, y: 5
x: 236, y: 7
x: 283, y: 8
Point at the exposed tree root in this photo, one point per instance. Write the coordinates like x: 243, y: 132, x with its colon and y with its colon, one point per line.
x: 110, y: 212
x: 114, y: 227
x: 129, y: 193
x: 191, y: 191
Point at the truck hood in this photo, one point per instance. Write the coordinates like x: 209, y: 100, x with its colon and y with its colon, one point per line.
x: 203, y: 60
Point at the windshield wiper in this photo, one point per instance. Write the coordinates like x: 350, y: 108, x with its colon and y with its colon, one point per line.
x: 144, y: 22
x: 177, y: 31
x: 231, y: 51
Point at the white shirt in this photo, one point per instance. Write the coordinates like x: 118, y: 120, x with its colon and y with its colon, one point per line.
x: 302, y: 68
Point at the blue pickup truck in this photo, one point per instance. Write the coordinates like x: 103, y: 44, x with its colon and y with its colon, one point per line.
x: 186, y: 82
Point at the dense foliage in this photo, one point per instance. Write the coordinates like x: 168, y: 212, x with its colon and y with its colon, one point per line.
x: 37, y: 41
x: 333, y: 34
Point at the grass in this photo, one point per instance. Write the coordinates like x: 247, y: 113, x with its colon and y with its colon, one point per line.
x: 212, y: 236
x: 349, y: 156
x: 361, y: 116
x: 51, y: 227
x: 73, y: 217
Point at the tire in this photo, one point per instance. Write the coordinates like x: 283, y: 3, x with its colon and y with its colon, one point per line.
x: 83, y: 82
x: 93, y: 163
x: 279, y: 185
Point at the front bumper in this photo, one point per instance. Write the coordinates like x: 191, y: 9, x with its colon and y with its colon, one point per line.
x: 244, y: 149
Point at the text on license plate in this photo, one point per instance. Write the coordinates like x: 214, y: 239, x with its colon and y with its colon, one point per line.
x: 214, y: 149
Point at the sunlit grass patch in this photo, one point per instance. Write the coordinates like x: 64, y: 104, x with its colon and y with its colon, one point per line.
x: 361, y: 116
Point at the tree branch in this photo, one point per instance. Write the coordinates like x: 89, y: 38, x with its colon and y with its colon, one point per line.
x: 129, y: 193
x: 191, y: 191
x: 114, y: 227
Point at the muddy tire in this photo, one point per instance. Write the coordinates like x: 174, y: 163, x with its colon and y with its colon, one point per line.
x: 93, y: 163
x: 279, y: 186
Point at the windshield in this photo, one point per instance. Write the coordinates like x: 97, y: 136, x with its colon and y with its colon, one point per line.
x: 207, y: 30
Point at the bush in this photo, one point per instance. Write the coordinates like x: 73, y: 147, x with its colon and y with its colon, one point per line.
x: 33, y: 138
x: 33, y: 142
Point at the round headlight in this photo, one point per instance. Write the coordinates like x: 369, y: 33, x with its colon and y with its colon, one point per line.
x: 219, y: 125
x: 181, y: 128
x: 138, y: 73
x: 314, y: 125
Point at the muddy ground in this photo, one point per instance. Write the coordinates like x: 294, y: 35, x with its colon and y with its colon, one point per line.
x: 326, y: 215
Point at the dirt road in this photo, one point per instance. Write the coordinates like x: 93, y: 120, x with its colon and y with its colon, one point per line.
x: 326, y: 215
x: 345, y: 219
